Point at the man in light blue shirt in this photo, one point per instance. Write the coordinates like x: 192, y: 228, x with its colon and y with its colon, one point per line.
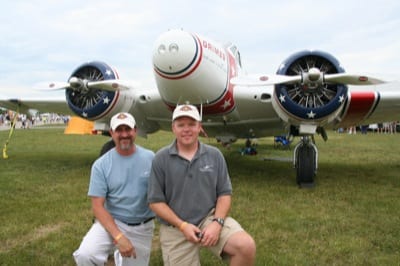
x: 118, y: 191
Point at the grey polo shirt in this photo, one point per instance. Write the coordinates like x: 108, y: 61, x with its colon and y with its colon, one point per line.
x: 190, y: 188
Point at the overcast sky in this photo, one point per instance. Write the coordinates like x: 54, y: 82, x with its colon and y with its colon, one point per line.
x: 44, y: 41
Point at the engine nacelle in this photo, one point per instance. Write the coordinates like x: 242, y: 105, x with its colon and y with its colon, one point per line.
x: 95, y: 104
x: 311, y: 101
x: 192, y: 68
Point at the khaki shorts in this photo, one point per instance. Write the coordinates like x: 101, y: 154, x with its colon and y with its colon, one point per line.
x: 177, y: 250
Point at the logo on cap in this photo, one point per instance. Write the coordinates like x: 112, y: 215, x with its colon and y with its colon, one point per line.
x: 186, y: 108
x: 122, y: 119
x: 121, y: 116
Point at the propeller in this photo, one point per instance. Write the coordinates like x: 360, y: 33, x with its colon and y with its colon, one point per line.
x: 312, y: 79
x: 84, y: 85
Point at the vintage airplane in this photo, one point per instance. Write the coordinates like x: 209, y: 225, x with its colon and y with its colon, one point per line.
x: 309, y: 93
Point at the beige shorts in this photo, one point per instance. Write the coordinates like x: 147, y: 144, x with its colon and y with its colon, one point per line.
x: 177, y: 250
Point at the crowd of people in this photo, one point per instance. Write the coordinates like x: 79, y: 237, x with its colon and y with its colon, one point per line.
x: 381, y: 128
x: 27, y: 121
x: 185, y: 185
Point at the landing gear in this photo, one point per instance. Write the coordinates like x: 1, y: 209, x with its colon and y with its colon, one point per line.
x: 306, y: 161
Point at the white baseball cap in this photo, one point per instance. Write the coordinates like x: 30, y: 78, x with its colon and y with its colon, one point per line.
x: 122, y: 119
x: 186, y: 110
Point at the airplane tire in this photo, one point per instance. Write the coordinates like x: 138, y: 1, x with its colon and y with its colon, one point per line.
x: 305, y: 165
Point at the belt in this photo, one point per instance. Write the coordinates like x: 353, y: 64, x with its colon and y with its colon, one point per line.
x: 136, y: 224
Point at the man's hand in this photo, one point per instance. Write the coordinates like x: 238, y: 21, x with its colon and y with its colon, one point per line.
x: 191, y: 232
x: 211, y: 234
x: 125, y: 247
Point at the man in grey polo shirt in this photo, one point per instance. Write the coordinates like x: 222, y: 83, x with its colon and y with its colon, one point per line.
x: 190, y: 192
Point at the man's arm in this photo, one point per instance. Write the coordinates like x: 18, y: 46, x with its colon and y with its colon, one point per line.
x: 104, y: 216
x: 212, y: 231
x: 223, y: 206
x: 162, y: 210
x: 107, y: 221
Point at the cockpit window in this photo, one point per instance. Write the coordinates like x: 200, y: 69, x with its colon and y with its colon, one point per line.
x: 236, y: 53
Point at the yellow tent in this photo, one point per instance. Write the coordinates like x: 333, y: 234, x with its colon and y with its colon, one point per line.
x: 77, y: 125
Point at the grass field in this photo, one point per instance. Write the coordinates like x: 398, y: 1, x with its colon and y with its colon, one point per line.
x: 351, y: 217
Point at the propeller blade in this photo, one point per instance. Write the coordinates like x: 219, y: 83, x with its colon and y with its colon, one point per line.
x: 79, y: 84
x: 352, y: 79
x: 108, y: 85
x: 341, y: 78
x: 59, y: 85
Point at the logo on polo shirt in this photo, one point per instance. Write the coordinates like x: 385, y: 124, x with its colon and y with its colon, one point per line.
x: 207, y: 168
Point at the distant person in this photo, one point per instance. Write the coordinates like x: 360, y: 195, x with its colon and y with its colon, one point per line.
x: 393, y: 127
x: 190, y: 192
x: 364, y: 129
x: 352, y: 130
x: 380, y: 127
x: 249, y: 148
x: 118, y: 191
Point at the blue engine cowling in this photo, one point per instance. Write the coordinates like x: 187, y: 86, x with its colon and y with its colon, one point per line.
x: 302, y: 105
x: 92, y: 104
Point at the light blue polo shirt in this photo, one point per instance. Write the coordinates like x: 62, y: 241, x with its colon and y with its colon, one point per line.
x: 123, y: 181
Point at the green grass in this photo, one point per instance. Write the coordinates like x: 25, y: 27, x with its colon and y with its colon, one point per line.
x: 351, y: 217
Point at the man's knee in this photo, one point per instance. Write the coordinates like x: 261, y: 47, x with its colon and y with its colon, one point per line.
x: 241, y: 244
x: 86, y: 257
x: 249, y: 246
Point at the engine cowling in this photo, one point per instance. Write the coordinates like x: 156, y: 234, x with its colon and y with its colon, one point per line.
x: 92, y: 104
x: 313, y: 102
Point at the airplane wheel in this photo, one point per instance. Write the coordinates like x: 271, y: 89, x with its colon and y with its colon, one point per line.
x: 305, y: 165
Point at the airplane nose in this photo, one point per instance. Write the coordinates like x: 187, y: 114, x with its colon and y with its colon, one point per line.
x: 176, y: 53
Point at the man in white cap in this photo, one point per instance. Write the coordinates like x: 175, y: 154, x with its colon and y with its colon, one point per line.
x: 118, y: 191
x: 190, y: 192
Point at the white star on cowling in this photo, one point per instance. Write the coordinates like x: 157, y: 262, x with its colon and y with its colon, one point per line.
x: 84, y: 114
x: 226, y: 104
x: 311, y: 114
x: 341, y: 98
x: 108, y: 72
x: 282, y: 98
x: 106, y: 100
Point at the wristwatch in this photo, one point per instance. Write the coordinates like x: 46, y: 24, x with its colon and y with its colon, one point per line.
x: 219, y: 220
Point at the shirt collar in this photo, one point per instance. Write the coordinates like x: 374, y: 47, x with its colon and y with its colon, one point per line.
x: 173, y: 150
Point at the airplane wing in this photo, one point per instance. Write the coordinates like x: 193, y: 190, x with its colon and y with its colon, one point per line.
x: 26, y: 106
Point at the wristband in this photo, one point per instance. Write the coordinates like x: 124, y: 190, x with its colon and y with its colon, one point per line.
x: 182, y: 226
x: 118, y: 237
